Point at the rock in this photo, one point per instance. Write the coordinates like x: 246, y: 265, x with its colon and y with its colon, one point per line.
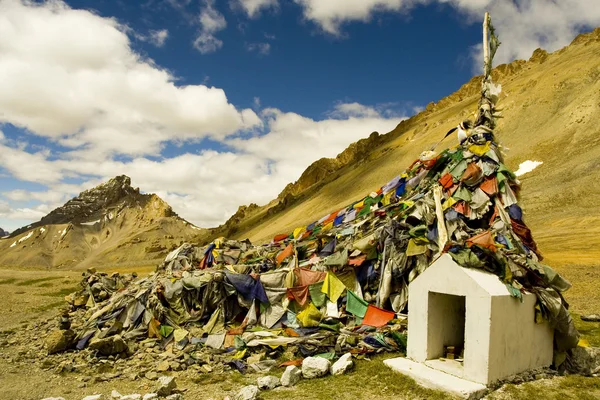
x: 255, y: 358
x: 115, y: 395
x: 166, y: 384
x: 175, y: 396
x: 268, y: 382
x: 135, y: 396
x: 343, y: 365
x: 151, y: 375
x: 291, y: 376
x: 54, y: 398
x: 249, y: 392
x: 93, y: 397
x: 163, y: 366
x: 584, y: 360
x: 591, y: 318
x: 315, y: 367
x: 109, y: 346
x: 60, y: 340
x: 150, y: 396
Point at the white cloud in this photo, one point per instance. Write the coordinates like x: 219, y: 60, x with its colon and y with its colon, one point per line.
x: 211, y: 22
x: 207, y: 188
x: 254, y: 7
x: 76, y: 80
x: 331, y: 14
x: 523, y: 25
x: 260, y: 48
x: 354, y: 110
x: 159, y: 37
x: 154, y: 37
x: 13, y: 218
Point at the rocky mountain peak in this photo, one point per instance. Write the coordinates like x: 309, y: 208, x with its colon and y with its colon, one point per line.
x: 93, y: 204
x: 3, y: 232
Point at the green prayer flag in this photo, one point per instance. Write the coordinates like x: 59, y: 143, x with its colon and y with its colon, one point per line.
x: 316, y: 295
x: 328, y: 356
x: 356, y: 305
x: 462, y: 193
x: 166, y: 330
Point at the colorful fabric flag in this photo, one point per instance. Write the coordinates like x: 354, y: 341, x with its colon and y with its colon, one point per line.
x: 333, y: 287
x: 355, y: 305
x: 305, y: 277
x: 316, y: 295
x: 377, y: 317
x: 300, y: 294
x: 288, y: 251
x: 309, y: 317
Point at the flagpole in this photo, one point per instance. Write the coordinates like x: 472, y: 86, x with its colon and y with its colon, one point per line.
x: 486, y: 45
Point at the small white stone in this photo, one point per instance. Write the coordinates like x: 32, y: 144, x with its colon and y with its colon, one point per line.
x: 315, y: 367
x: 268, y: 382
x: 150, y: 396
x: 93, y: 397
x: 291, y: 376
x: 134, y: 396
x: 115, y: 395
x: 343, y: 365
x: 249, y: 392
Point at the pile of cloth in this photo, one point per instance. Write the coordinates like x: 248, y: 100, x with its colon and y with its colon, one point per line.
x: 340, y: 283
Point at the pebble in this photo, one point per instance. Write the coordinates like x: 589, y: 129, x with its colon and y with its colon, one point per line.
x: 249, y: 392
x: 268, y: 382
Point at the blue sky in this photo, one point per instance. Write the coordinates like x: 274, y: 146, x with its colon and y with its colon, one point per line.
x: 217, y: 103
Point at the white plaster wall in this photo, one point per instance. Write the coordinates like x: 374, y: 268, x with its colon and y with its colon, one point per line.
x: 517, y: 343
x: 477, y: 338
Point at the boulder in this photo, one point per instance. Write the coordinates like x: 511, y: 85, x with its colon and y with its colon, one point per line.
x: 291, y: 376
x: 150, y: 396
x: 60, y: 340
x: 268, y: 382
x: 134, y: 396
x: 166, y: 385
x: 342, y: 365
x: 315, y: 367
x: 584, y: 360
x: 109, y: 346
x: 249, y: 392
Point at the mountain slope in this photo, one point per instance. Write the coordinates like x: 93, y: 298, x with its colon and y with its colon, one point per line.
x: 111, y: 224
x: 551, y: 110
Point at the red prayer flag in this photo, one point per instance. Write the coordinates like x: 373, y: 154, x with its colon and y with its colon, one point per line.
x: 288, y: 251
x: 377, y: 317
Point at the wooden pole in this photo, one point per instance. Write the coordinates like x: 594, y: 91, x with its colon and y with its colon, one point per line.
x: 486, y: 45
